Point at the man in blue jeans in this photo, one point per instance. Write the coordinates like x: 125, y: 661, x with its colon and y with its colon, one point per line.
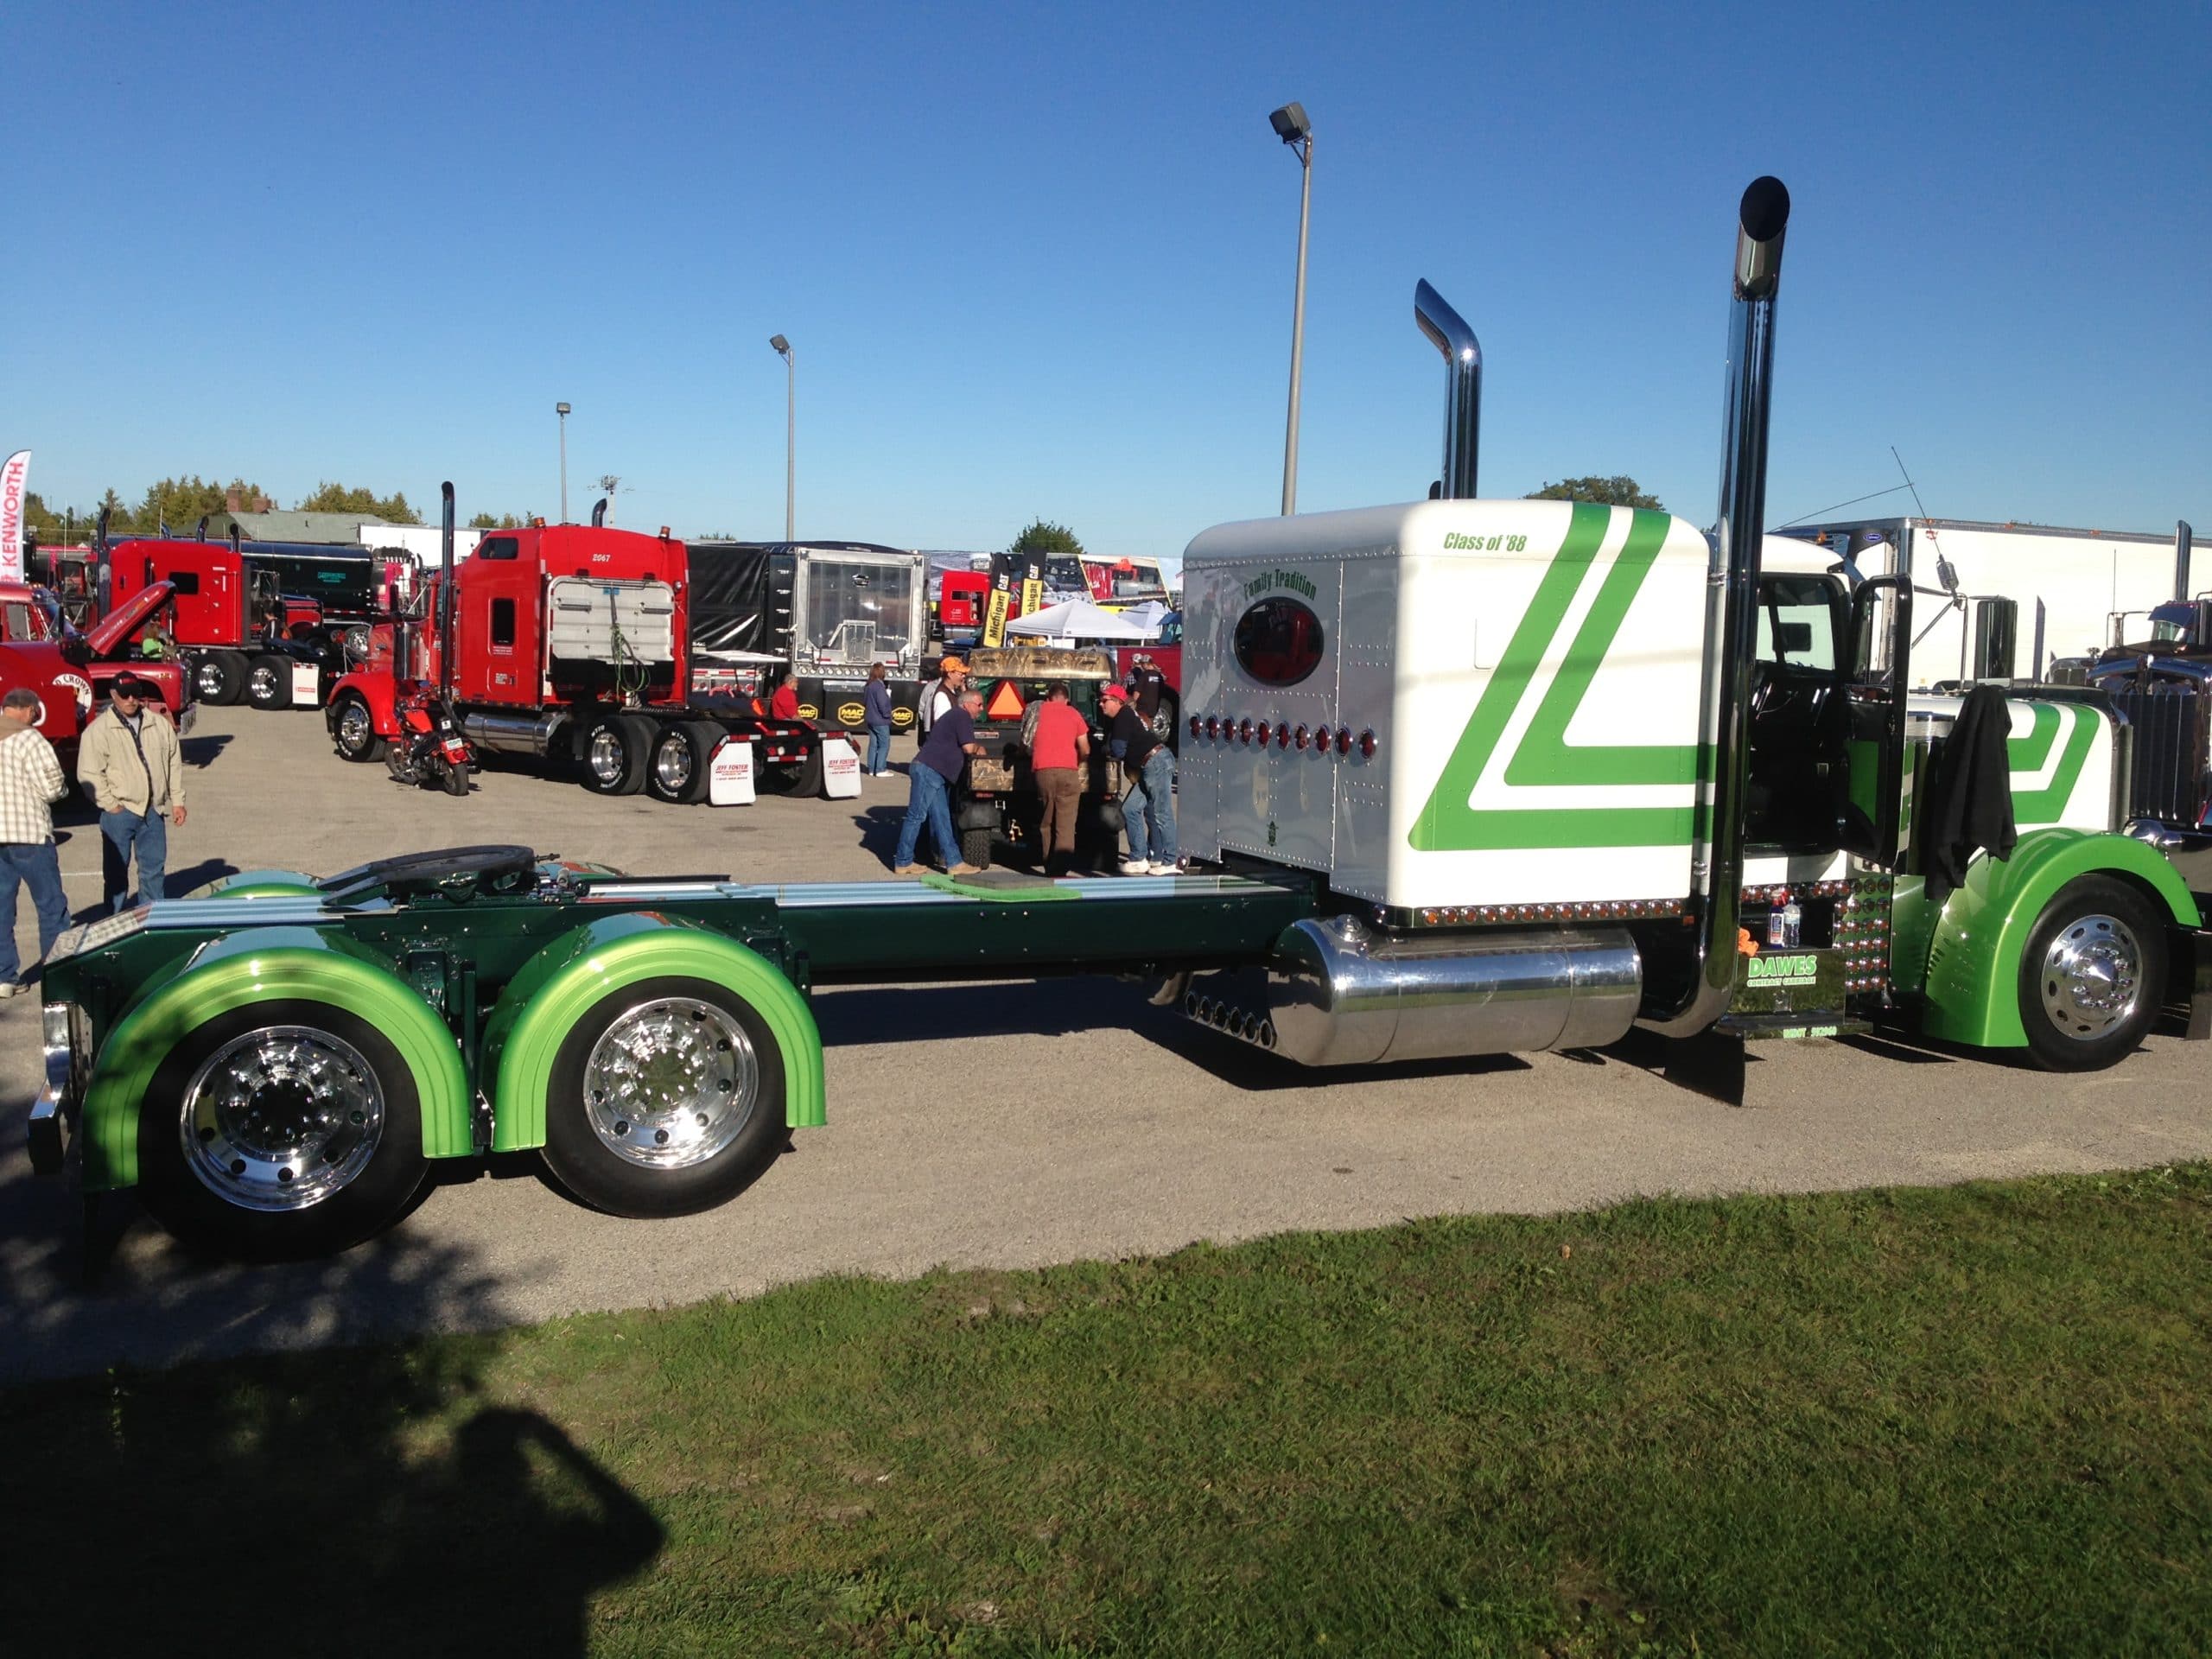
x: 876, y: 703
x: 30, y: 782
x: 129, y: 762
x: 1148, y: 812
x: 937, y: 768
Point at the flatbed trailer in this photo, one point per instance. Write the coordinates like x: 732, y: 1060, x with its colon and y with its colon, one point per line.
x: 1474, y: 777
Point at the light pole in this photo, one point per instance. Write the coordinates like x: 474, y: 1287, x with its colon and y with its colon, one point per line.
x: 562, y: 409
x: 790, y: 434
x: 1293, y: 129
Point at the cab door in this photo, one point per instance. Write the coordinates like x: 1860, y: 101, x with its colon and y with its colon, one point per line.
x: 1879, y: 628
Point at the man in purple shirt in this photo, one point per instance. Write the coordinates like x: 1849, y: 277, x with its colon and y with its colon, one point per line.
x: 936, y: 769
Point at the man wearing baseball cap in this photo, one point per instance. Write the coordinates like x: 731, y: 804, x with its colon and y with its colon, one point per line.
x: 1148, y: 810
x: 128, y: 763
x: 944, y: 697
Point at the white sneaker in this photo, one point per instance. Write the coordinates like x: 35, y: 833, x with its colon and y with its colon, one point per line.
x: 1162, y: 867
x: 1135, y: 867
x: 12, y: 988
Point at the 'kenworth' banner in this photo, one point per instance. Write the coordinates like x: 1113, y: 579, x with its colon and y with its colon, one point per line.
x: 13, y: 479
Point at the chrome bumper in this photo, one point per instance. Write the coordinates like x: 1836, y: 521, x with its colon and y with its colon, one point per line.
x: 54, y: 1112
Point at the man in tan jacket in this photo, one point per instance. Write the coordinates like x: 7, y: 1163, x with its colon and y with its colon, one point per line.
x: 129, y: 762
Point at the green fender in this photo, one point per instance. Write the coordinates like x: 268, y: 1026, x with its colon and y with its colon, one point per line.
x: 257, y: 884
x: 562, y: 981
x: 267, y: 964
x: 1974, y: 961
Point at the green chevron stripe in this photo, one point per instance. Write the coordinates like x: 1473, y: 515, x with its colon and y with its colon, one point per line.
x: 1448, y: 824
x: 2027, y: 755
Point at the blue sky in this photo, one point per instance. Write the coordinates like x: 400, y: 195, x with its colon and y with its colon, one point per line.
x: 1038, y: 260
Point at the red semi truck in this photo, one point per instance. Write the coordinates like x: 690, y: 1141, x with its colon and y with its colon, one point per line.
x: 250, y: 616
x: 567, y: 644
x: 71, y: 671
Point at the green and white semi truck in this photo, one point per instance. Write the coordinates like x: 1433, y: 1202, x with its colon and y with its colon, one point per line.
x: 1471, y: 777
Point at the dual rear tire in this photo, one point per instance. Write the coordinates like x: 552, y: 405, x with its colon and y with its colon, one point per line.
x: 294, y: 1129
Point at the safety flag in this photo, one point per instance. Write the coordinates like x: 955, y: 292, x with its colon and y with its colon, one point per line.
x: 14, y: 477
x: 1006, y: 703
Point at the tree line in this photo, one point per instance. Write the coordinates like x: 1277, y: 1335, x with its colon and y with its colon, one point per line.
x: 181, y: 502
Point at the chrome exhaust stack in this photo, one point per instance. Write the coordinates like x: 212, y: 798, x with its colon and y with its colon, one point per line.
x: 1463, y: 391
x: 445, y: 592
x: 2182, y: 546
x: 1732, y: 606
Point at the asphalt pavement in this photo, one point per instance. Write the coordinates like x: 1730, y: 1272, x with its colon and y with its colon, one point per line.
x: 1006, y: 1126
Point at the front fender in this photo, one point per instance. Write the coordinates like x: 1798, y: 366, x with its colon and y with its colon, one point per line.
x: 1974, y: 957
x: 262, y: 965
x: 558, y: 986
x: 377, y: 689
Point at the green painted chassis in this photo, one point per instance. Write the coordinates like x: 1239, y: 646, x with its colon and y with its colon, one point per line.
x: 477, y: 990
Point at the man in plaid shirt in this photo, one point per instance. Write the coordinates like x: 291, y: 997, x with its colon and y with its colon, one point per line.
x: 30, y: 782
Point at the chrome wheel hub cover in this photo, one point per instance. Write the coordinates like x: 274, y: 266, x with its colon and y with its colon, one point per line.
x: 672, y: 761
x: 209, y: 679
x: 281, y: 1118
x: 264, y: 681
x: 606, y: 757
x: 672, y: 1083
x: 354, y: 729
x: 2091, y: 975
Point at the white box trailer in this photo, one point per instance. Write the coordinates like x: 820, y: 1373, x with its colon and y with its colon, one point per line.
x: 421, y: 540
x: 2075, y: 590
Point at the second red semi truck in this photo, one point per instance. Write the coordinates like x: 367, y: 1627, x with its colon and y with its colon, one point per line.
x: 570, y: 645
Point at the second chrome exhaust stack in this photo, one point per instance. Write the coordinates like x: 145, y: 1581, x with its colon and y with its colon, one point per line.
x: 1731, y: 612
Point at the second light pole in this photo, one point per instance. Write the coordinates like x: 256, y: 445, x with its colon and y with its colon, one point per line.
x: 1293, y: 129
x: 790, y: 434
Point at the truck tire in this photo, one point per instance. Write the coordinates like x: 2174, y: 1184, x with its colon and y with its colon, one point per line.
x: 613, y: 755
x: 666, y: 1098
x: 677, y: 768
x: 354, y: 729
x: 219, y: 677
x: 269, y: 683
x: 280, y: 1130
x: 976, y: 847
x: 2093, y: 976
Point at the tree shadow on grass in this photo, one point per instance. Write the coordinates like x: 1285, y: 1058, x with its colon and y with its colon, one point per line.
x: 369, y: 1501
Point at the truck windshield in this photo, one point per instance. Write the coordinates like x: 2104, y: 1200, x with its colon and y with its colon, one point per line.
x: 1797, y: 621
x: 858, y: 613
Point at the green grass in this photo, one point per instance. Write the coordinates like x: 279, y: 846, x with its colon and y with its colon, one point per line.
x: 1919, y: 1422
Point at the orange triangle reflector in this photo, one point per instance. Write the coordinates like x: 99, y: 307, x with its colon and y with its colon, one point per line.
x: 1006, y: 703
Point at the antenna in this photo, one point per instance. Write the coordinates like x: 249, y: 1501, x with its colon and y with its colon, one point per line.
x: 1946, y: 577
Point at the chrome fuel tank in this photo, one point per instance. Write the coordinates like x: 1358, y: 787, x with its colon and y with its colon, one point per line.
x: 1340, y: 993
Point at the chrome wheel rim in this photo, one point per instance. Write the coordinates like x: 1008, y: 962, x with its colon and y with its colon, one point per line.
x: 354, y: 729
x: 606, y: 756
x: 672, y: 1083
x: 672, y: 761
x: 209, y: 679
x: 356, y: 643
x: 263, y: 683
x: 2091, y: 975
x: 281, y: 1118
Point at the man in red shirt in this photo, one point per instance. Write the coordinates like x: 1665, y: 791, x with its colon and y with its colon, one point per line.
x: 785, y: 704
x: 1056, y: 757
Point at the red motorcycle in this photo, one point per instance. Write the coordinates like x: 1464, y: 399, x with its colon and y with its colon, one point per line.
x: 429, y: 751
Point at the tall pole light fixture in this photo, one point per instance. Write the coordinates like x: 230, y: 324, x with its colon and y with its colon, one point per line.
x: 1293, y: 129
x: 790, y: 434
x: 562, y: 409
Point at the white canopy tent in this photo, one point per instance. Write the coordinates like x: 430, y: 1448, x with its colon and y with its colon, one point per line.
x: 1079, y: 618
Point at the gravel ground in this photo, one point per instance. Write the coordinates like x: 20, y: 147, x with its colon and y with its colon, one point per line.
x: 955, y: 1134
